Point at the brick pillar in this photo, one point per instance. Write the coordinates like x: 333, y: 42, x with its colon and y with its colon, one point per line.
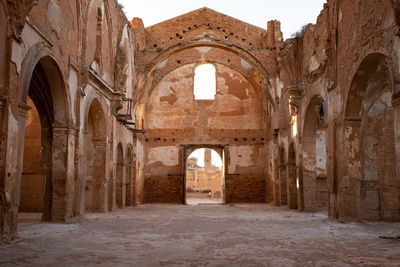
x: 292, y: 185
x: 282, y: 185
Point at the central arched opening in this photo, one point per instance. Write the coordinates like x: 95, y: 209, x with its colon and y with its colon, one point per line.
x: 204, y: 177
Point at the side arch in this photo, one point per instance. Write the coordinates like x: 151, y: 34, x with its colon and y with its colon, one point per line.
x: 369, y: 145
x: 95, y: 183
x: 314, y: 169
x: 60, y: 178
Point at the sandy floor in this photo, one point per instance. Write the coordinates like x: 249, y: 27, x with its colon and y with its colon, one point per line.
x: 202, y: 201
x: 216, y: 235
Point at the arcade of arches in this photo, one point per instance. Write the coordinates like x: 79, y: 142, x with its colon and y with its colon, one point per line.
x: 99, y: 113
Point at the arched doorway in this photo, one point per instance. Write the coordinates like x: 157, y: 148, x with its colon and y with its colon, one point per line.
x: 370, y: 143
x: 36, y: 179
x: 204, y: 177
x: 128, y: 176
x: 47, y: 138
x: 120, y: 189
x: 95, y: 189
x: 315, y: 188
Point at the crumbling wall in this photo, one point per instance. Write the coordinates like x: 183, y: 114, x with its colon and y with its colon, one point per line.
x: 322, y: 63
x: 174, y: 118
x: 57, y: 38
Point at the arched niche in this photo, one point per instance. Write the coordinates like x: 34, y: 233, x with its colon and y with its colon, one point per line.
x: 95, y: 180
x: 370, y: 144
x: 314, y: 170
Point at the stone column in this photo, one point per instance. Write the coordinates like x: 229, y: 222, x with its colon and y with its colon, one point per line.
x: 282, y: 185
x: 62, y: 173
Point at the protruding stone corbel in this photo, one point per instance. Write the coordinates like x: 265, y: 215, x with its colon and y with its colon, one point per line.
x: 396, y: 99
x: 295, y: 93
x: 116, y: 107
x: 331, y: 85
x: 23, y: 109
x: 20, y: 10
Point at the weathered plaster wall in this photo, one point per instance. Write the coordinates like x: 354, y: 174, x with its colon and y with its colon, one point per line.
x: 56, y: 34
x: 235, y: 117
x: 322, y: 62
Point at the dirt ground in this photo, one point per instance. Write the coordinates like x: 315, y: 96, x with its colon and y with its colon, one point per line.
x: 215, y: 235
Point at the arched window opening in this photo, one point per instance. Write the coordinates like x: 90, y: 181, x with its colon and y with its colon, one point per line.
x: 293, y: 119
x: 205, y: 82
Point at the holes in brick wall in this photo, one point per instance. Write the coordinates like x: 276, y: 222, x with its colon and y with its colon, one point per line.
x: 178, y: 61
x: 155, y: 45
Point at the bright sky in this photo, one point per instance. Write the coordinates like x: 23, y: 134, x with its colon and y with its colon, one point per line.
x: 199, y: 154
x: 291, y: 13
x: 204, y: 82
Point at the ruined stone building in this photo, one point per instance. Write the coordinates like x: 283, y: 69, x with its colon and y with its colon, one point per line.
x: 206, y: 180
x: 99, y: 113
